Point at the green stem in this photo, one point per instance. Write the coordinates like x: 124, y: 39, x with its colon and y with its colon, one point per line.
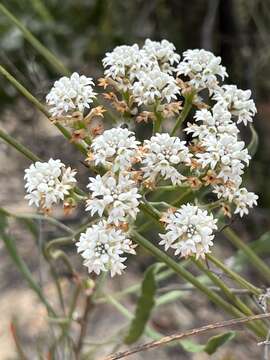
x: 162, y: 256
x: 258, y: 328
x: 178, y: 201
x: 56, y: 243
x: 157, y: 122
x: 47, y: 54
x: 258, y: 263
x: 40, y: 106
x: 233, y: 275
x: 18, y: 146
x: 184, y: 113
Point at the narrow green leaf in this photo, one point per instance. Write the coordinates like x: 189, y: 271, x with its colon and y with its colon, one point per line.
x: 211, y: 346
x: 254, y: 142
x: 216, y: 341
x: 144, y: 307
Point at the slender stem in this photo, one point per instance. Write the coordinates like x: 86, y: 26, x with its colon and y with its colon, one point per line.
x: 184, y: 113
x: 157, y: 122
x: 48, y: 55
x: 23, y: 90
x: 134, y: 288
x: 162, y: 256
x: 178, y: 201
x: 179, y: 336
x: 40, y: 106
x: 258, y: 263
x: 233, y: 275
x: 57, y: 242
x: 259, y: 329
x: 18, y: 146
x: 84, y: 323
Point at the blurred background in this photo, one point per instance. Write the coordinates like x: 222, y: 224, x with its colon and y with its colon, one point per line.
x: 79, y: 32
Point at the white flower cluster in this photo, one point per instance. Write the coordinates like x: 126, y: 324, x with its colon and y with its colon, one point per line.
x: 189, y: 231
x: 203, y: 68
x: 216, y: 134
x: 162, y: 155
x: 69, y: 94
x: 48, y: 182
x: 146, y: 73
x: 151, y: 76
x: 237, y: 101
x: 103, y: 247
x: 118, y: 196
x: 115, y: 148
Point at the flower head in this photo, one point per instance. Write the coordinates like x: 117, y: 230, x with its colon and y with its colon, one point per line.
x: 69, y: 94
x: 154, y: 85
x: 224, y: 154
x: 163, y: 156
x: 103, y: 248
x: 189, y: 231
x: 48, y: 182
x: 203, y: 69
x: 237, y: 101
x: 212, y: 123
x: 162, y: 52
x: 118, y: 197
x: 123, y: 64
x: 116, y: 148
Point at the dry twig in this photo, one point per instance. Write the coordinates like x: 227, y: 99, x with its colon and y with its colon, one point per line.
x: 178, y: 336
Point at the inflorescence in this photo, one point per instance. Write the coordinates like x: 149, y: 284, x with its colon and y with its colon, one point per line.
x: 144, y: 85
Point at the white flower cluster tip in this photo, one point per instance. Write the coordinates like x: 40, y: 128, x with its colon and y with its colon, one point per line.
x: 47, y: 183
x: 146, y: 73
x: 189, y: 231
x: 70, y: 94
x: 115, y: 148
x: 103, y: 248
x: 118, y: 196
x: 203, y: 68
x: 163, y: 155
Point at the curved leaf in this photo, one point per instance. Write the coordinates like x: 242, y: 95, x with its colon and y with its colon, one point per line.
x: 145, y: 305
x: 216, y: 341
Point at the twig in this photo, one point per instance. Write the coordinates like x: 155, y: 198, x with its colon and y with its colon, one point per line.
x: 84, y: 323
x: 167, y: 339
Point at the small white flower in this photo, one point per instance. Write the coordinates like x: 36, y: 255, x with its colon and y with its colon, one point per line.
x: 154, y: 85
x: 163, y: 156
x: 116, y: 148
x: 212, y: 123
x: 117, y: 196
x: 189, y: 231
x: 48, y: 182
x: 162, y: 52
x: 225, y: 154
x: 70, y: 94
x: 103, y: 248
x: 123, y: 64
x: 243, y: 200
x: 203, y: 68
x: 237, y: 101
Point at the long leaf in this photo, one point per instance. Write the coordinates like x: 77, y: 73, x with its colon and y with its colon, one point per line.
x: 144, y: 307
x: 212, y: 344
